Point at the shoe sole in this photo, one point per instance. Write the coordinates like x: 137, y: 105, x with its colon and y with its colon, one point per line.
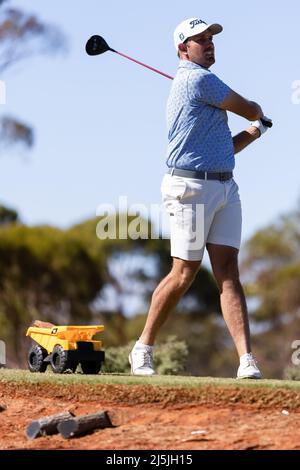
x: 252, y: 377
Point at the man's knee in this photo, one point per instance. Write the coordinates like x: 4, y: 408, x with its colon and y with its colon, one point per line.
x: 184, y: 272
x: 227, y: 272
x: 224, y: 261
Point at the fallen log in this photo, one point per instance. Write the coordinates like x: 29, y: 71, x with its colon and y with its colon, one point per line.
x: 84, y: 424
x: 47, y: 425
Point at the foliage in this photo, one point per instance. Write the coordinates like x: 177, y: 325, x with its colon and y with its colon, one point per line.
x: 22, y: 36
x: 73, y: 277
x: 272, y: 269
x: 47, y: 274
x: 116, y: 359
x: 202, y: 296
x: 133, y: 270
x: 14, y: 132
x: 169, y: 357
x: 7, y: 215
x: 292, y: 373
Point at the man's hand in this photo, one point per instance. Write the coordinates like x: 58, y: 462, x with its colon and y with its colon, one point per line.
x: 260, y: 126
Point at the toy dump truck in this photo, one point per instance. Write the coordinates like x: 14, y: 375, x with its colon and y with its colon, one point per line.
x: 64, y: 347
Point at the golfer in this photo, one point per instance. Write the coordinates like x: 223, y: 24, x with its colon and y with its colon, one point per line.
x: 200, y: 194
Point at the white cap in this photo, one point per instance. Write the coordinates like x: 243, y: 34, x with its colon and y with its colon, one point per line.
x: 191, y: 27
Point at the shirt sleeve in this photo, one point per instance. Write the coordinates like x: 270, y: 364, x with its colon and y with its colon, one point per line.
x: 207, y: 88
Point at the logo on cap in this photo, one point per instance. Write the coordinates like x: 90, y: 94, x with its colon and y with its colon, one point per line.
x: 195, y: 22
x: 181, y: 36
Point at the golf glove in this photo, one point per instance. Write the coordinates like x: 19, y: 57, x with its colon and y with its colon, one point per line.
x: 259, y: 125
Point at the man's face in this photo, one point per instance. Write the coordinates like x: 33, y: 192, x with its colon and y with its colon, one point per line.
x: 201, y: 49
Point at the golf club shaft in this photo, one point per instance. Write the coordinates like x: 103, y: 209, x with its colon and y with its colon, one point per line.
x: 265, y: 123
x: 144, y: 65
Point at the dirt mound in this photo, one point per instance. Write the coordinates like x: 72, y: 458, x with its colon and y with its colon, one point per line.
x: 151, y: 417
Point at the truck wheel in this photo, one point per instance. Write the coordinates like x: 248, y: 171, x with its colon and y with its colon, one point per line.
x: 59, y: 360
x: 36, y: 357
x: 91, y: 367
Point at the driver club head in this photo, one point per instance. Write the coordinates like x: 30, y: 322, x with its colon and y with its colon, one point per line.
x: 97, y: 45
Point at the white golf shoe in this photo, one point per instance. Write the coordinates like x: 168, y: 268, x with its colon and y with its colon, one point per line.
x: 248, y: 368
x: 141, y: 360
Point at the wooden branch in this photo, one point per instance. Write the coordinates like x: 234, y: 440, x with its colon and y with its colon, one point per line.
x: 47, y: 425
x: 84, y: 424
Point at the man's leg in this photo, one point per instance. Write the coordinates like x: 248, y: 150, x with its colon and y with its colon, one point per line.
x: 167, y: 295
x: 164, y: 300
x: 224, y: 262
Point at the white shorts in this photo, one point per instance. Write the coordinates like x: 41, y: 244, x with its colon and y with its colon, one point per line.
x: 201, y: 211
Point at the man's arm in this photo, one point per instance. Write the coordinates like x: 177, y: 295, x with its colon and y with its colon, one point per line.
x: 257, y: 128
x: 239, y: 105
x: 245, y: 138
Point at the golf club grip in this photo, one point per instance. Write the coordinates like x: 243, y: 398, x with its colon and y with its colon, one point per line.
x: 266, y: 123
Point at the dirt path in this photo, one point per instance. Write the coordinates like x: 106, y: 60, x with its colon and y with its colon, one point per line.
x: 152, y: 419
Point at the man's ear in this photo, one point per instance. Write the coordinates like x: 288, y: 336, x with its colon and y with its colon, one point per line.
x: 182, y: 47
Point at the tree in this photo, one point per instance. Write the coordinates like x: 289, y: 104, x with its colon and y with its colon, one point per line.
x: 203, y: 295
x: 14, y: 133
x: 44, y: 273
x: 73, y: 277
x: 22, y: 36
x: 125, y: 269
x: 272, y: 268
x: 133, y: 268
x: 7, y: 216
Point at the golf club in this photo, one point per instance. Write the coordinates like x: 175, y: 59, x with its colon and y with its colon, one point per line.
x: 97, y: 45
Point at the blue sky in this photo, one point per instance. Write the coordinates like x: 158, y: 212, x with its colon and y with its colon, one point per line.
x: 100, y: 122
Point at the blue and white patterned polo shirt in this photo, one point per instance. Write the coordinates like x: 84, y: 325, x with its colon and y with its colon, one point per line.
x: 198, y: 132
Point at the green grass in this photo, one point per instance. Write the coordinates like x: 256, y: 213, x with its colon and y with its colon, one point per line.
x: 21, y: 376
